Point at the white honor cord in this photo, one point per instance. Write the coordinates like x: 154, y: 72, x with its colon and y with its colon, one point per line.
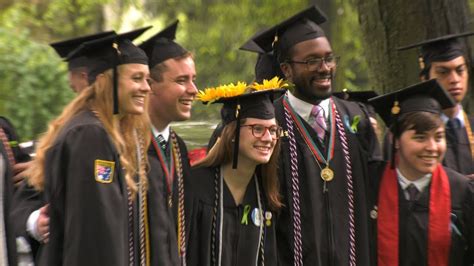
x: 260, y: 211
x: 221, y: 217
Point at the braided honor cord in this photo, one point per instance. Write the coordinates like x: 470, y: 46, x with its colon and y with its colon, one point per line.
x: 218, y: 211
x: 261, y: 244
x: 181, y: 218
x: 131, y: 249
x: 142, y: 207
x: 214, y: 217
x: 295, y: 186
x: 350, y: 189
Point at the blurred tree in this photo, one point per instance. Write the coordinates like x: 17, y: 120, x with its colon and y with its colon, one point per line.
x: 33, y: 85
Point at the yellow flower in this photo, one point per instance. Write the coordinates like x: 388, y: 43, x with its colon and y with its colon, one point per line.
x: 274, y: 83
x: 213, y: 94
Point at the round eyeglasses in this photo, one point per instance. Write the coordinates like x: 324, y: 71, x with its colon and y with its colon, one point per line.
x: 316, y: 63
x: 259, y: 131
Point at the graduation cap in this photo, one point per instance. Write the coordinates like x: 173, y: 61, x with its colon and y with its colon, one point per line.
x: 358, y: 96
x: 355, y: 96
x: 298, y: 28
x: 162, y: 47
x: 64, y: 48
x: 110, y: 52
x: 267, y: 66
x: 426, y: 96
x: 439, y: 49
x: 247, y: 103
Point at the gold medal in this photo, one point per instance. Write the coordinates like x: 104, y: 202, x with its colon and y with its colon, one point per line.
x: 327, y: 174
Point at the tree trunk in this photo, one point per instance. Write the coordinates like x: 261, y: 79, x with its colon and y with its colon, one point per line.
x: 387, y: 25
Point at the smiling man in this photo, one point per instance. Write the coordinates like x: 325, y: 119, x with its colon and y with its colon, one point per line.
x: 325, y: 152
x: 172, y: 73
x: 444, y: 59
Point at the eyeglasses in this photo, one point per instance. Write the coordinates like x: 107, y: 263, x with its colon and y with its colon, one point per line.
x: 259, y: 131
x: 315, y: 63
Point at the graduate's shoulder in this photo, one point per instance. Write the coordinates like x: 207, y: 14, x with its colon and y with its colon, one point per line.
x: 458, y: 182
x: 83, y: 125
x: 203, y: 177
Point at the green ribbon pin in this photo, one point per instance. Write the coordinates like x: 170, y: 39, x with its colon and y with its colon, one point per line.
x: 245, y: 216
x: 355, y: 122
x: 13, y: 143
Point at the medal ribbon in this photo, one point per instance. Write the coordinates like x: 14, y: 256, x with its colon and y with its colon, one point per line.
x: 469, y: 134
x: 318, y: 155
x: 168, y: 166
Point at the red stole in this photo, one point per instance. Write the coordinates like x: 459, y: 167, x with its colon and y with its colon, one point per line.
x: 439, y: 235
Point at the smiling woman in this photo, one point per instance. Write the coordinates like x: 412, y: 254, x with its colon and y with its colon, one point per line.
x: 233, y: 192
x: 433, y: 204
x: 91, y: 162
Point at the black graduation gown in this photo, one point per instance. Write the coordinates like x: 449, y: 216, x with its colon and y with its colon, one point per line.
x: 88, y: 218
x: 458, y: 151
x: 413, y: 223
x: 7, y: 201
x: 162, y: 219
x: 325, y: 216
x: 240, y: 241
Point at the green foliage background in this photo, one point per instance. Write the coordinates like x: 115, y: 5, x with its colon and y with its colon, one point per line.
x: 33, y: 80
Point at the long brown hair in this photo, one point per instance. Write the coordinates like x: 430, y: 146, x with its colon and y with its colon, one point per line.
x: 98, y: 98
x: 222, y: 152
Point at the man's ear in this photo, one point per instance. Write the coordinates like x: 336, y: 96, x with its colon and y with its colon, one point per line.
x: 286, y: 69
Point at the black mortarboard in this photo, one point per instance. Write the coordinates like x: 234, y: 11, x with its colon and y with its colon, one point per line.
x: 298, y: 28
x: 426, y: 96
x: 439, y: 49
x: 358, y: 96
x: 267, y: 66
x: 162, y: 47
x: 257, y: 104
x: 355, y: 96
x: 110, y: 52
x: 64, y: 48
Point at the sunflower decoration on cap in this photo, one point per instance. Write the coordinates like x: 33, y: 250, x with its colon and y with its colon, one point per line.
x: 244, y: 101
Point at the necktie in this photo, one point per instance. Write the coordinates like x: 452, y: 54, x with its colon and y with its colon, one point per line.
x: 318, y: 121
x: 162, y: 142
x: 163, y: 145
x: 412, y: 192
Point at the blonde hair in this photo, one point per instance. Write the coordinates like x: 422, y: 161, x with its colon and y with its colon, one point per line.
x: 121, y: 130
x: 222, y: 152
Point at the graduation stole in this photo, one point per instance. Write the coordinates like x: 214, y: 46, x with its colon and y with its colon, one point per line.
x: 439, y: 236
x: 168, y: 166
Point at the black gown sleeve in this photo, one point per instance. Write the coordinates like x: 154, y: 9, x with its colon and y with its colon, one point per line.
x: 26, y: 200
x: 87, y: 217
x: 469, y: 221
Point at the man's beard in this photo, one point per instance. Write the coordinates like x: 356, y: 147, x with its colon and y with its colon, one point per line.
x: 310, y: 92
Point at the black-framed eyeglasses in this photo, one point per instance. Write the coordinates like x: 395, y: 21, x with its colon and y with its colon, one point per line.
x: 259, y: 131
x: 315, y: 63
